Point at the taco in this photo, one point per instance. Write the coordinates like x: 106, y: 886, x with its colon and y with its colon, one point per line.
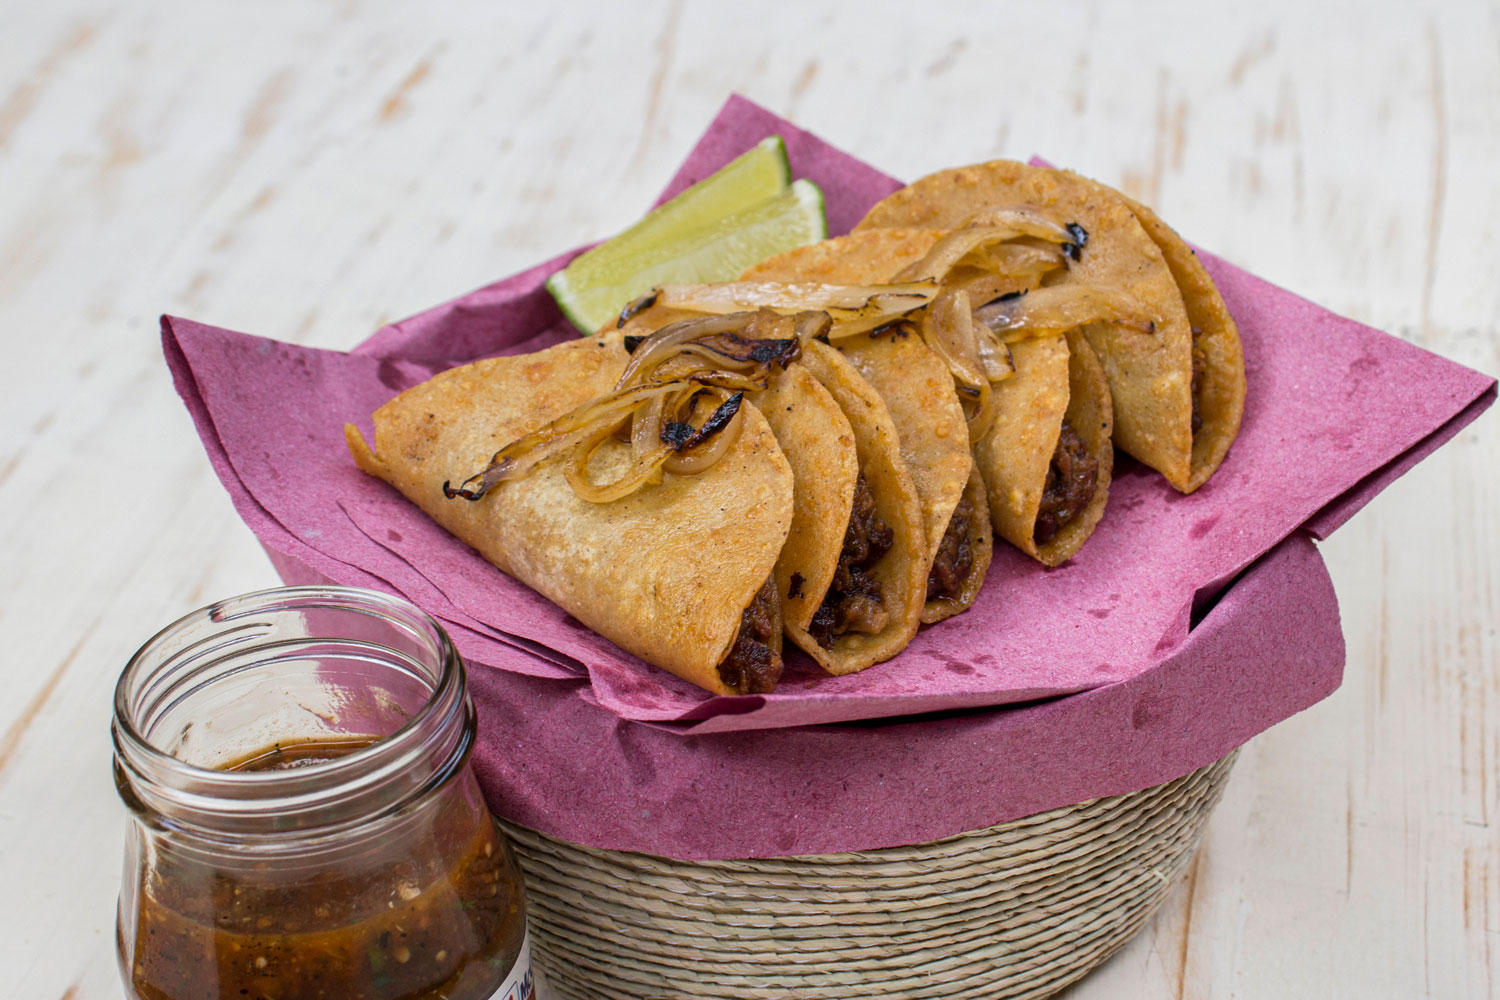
x: 1218, y: 386
x: 818, y: 443
x: 1048, y: 455
x: 636, y: 569
x: 1150, y: 375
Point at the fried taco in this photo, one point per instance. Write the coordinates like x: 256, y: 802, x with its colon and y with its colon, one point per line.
x: 1150, y: 375
x: 673, y: 566
x: 1218, y: 383
x: 918, y: 390
x: 818, y: 443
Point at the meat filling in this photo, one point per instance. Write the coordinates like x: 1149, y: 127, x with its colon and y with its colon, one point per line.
x: 1071, y: 480
x: 1200, y: 365
x: 752, y: 666
x: 954, y: 559
x: 855, y: 602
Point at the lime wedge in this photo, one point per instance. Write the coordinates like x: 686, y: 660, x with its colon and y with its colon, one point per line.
x: 595, y: 286
x: 720, y: 251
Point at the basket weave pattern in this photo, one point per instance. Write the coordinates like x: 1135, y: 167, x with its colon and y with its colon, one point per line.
x: 1017, y: 910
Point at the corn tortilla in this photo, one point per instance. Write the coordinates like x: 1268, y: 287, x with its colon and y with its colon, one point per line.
x: 664, y: 573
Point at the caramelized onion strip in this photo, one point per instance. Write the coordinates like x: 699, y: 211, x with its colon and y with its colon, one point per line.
x: 652, y: 406
x: 1058, y: 308
x: 518, y: 458
x: 720, y: 431
x: 948, y: 328
x: 642, y: 470
x: 970, y: 247
x: 852, y: 309
x: 660, y: 345
x: 982, y: 412
x: 1025, y: 220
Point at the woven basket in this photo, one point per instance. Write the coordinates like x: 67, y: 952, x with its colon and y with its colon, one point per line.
x: 1017, y: 910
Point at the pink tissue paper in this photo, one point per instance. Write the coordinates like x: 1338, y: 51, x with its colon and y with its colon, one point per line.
x: 1186, y: 625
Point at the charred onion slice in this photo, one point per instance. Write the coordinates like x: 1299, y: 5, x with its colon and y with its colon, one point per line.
x: 635, y: 308
x: 661, y: 345
x: 642, y: 470
x: 948, y: 328
x: 1029, y: 221
x: 851, y: 309
x: 994, y: 270
x: 1058, y: 308
x: 653, y: 404
x: 981, y: 413
x: 975, y: 247
x: 698, y: 449
x: 568, y: 431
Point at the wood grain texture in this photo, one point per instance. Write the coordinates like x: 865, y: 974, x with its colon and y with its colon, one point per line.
x: 309, y: 171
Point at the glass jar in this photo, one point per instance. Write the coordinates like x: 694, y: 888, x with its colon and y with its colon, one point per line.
x: 305, y: 821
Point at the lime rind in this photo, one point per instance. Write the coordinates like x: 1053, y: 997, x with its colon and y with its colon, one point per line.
x: 562, y: 294
x: 718, y: 252
x: 697, y: 231
x: 754, y: 176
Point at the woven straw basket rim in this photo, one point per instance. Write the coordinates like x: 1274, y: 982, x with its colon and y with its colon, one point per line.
x: 1017, y: 910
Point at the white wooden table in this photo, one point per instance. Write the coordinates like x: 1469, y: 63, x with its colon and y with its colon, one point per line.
x: 309, y: 171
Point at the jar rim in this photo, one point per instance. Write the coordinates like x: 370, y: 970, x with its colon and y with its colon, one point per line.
x: 434, y: 740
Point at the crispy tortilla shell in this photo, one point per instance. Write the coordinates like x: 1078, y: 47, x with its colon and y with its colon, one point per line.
x: 1221, y: 394
x: 981, y: 542
x: 1149, y: 375
x: 865, y: 257
x: 664, y: 573
x: 818, y: 442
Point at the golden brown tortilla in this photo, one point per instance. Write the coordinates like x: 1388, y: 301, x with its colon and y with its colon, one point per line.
x: 1221, y: 394
x: 818, y: 442
x: 1149, y: 375
x: 981, y: 541
x: 858, y: 258
x: 664, y: 573
x: 837, y: 428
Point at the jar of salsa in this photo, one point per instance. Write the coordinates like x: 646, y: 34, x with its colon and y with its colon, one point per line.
x: 305, y: 820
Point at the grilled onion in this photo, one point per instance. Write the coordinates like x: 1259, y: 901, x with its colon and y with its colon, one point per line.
x: 518, y: 458
x: 851, y: 309
x: 642, y: 470
x: 670, y: 374
x: 1058, y: 308
x: 713, y: 439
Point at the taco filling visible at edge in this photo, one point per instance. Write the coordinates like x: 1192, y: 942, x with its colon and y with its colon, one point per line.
x: 1200, y: 367
x: 1071, y: 480
x: 954, y: 560
x: 752, y: 666
x: 855, y: 601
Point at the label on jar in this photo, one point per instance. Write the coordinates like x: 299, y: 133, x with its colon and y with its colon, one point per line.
x: 520, y: 984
